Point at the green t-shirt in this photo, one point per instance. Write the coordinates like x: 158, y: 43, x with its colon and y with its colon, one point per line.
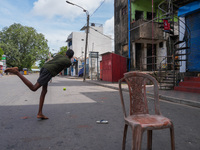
x: 57, y: 64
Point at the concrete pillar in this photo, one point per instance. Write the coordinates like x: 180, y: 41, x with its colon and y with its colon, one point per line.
x: 134, y: 53
x: 145, y: 56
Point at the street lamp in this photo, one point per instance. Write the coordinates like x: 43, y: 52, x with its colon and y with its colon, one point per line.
x: 86, y: 42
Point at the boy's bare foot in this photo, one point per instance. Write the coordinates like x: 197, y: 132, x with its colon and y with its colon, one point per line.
x: 43, y: 117
x: 13, y: 70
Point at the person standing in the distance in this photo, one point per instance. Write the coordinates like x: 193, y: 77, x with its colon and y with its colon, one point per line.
x: 49, y: 70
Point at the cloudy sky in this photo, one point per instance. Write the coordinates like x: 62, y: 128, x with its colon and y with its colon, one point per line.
x: 55, y: 18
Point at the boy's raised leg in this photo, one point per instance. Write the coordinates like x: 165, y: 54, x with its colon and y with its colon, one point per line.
x: 15, y: 71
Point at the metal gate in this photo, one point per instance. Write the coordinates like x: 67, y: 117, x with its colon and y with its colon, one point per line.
x: 94, y: 65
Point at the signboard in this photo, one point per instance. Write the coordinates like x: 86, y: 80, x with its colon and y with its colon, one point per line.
x: 94, y: 54
x: 4, y: 61
x: 166, y: 25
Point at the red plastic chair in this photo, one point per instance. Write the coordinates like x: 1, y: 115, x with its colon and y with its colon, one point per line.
x: 139, y: 118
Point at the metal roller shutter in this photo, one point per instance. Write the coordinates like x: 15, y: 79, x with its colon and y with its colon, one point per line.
x: 193, y: 22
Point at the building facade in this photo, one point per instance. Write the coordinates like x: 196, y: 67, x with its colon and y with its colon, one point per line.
x: 97, y: 41
x: 148, y: 44
x: 159, y: 35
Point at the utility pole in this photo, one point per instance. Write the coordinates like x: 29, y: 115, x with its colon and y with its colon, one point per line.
x: 129, y: 35
x: 86, y: 42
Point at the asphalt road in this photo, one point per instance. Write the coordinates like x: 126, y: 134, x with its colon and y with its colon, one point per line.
x: 73, y: 114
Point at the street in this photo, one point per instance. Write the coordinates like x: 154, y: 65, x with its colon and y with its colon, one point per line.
x: 73, y: 114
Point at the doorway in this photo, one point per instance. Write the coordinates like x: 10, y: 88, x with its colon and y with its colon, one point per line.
x: 151, y: 57
x: 138, y: 58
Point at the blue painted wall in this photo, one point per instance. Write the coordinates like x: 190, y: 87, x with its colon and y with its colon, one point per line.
x: 191, y: 12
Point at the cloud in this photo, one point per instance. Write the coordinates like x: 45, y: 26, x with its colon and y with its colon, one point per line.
x: 52, y: 8
x: 109, y: 27
x: 56, y: 19
x: 57, y: 38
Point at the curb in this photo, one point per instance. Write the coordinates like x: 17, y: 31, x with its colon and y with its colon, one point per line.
x: 162, y: 97
x: 180, y: 101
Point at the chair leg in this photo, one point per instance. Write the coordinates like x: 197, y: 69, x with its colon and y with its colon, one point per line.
x: 137, y: 137
x: 149, y: 139
x: 124, y: 137
x: 172, y: 137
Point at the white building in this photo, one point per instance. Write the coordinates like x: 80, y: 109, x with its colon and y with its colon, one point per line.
x: 97, y: 42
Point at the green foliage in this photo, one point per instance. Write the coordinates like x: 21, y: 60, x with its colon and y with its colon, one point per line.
x: 1, y: 53
x: 41, y: 63
x: 34, y: 66
x: 23, y: 46
x: 63, y: 50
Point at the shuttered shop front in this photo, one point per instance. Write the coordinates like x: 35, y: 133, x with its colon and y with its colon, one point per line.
x: 193, y: 22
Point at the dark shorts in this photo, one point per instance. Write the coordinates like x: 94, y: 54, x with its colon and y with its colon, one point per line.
x: 44, y: 77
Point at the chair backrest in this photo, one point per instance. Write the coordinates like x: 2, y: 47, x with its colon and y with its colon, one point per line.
x: 137, y: 91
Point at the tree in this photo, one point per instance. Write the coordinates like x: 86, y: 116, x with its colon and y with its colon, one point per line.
x: 23, y: 46
x: 63, y: 50
x: 1, y: 53
x: 41, y: 63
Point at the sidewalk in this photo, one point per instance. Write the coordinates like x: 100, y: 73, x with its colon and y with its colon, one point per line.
x: 186, y: 98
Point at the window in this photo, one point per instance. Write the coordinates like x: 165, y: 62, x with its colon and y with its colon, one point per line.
x: 124, y: 10
x: 149, y: 15
x: 69, y: 43
x: 139, y: 15
x: 161, y: 44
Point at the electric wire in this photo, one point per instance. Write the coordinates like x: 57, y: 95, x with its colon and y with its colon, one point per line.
x: 93, y: 14
x: 97, y: 8
x: 102, y: 33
